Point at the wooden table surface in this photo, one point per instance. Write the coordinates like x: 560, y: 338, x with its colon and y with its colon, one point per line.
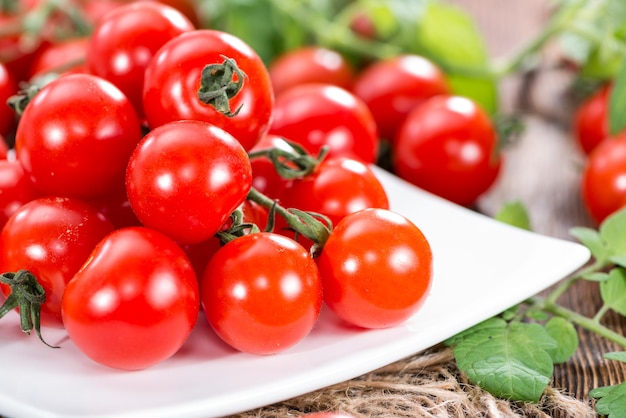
x: 543, y: 171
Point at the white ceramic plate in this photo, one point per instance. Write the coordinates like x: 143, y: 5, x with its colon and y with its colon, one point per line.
x: 481, y: 268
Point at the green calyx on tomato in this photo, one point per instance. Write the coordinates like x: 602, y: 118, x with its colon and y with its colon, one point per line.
x: 291, y: 163
x: 313, y: 226
x: 219, y: 84
x: 27, y: 295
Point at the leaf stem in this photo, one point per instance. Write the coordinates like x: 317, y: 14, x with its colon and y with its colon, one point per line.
x: 567, y: 283
x: 587, y: 323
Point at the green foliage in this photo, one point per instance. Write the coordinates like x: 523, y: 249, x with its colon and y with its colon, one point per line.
x: 611, y: 399
x: 512, y: 360
x: 515, y: 214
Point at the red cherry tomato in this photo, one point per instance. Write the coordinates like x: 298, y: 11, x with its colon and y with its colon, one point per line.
x: 591, y: 123
x: 52, y: 238
x: 15, y: 189
x: 261, y: 293
x: 185, y: 178
x: 602, y: 182
x: 448, y: 146
x: 134, y: 302
x: 66, y: 57
x: 8, y: 88
x: 310, y: 64
x: 173, y: 78
x: 376, y: 269
x: 393, y: 87
x: 317, y: 115
x: 125, y: 40
x: 69, y: 146
x: 337, y: 187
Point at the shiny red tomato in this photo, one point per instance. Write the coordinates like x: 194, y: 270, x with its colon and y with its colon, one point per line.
x: 64, y: 57
x: 134, y: 302
x: 185, y: 178
x: 317, y: 115
x: 15, y: 189
x: 75, y: 137
x: 310, y: 64
x: 448, y: 146
x: 591, y: 124
x: 261, y: 293
x: 391, y: 88
x: 337, y: 187
x: 376, y: 268
x: 8, y: 87
x: 51, y: 237
x: 125, y: 40
x: 173, y: 78
x: 603, y: 180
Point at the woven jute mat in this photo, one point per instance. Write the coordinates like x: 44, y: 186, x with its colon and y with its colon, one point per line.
x: 427, y: 384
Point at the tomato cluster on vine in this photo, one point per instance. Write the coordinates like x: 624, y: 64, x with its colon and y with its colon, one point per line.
x: 168, y: 172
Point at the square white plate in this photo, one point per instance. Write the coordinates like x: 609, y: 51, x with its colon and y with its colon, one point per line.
x: 481, y: 268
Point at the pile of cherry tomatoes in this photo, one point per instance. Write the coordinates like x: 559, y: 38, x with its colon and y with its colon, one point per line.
x: 155, y: 171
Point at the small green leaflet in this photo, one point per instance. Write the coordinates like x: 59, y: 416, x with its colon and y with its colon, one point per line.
x: 510, y: 360
x: 515, y: 214
x: 564, y: 332
x: 613, y: 290
x: 611, y: 399
x: 609, y: 243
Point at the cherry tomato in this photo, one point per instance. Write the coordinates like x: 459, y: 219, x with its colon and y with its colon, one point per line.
x: 75, y: 137
x: 65, y: 57
x: 591, y: 124
x: 261, y: 293
x: 337, y: 187
x: 8, y: 87
x: 125, y: 40
x: 316, y: 115
x: 448, y: 146
x: 134, y: 302
x: 602, y: 181
x: 185, y: 178
x: 391, y: 88
x: 310, y: 64
x: 51, y: 237
x: 15, y: 189
x: 376, y: 268
x: 173, y: 78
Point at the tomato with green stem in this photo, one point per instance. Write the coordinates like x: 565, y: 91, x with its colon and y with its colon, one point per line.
x: 135, y: 301
x: 212, y: 76
x: 51, y: 237
x: 322, y: 115
x: 185, y: 178
x: 448, y: 146
x: 376, y: 268
x: 261, y: 293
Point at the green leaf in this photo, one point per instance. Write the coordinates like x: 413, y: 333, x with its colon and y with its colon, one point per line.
x: 596, y: 277
x: 591, y: 239
x: 617, y: 102
x: 616, y: 355
x: 613, y: 290
x: 515, y: 214
x: 511, y: 361
x: 449, y: 36
x: 613, y: 233
x: 612, y: 400
x: 564, y: 333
